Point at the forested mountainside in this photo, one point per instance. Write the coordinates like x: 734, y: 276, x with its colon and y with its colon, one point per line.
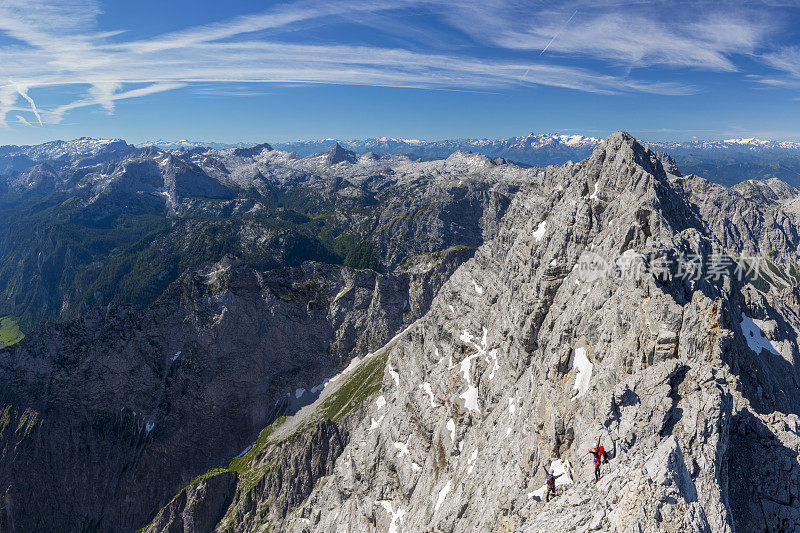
x: 96, y: 222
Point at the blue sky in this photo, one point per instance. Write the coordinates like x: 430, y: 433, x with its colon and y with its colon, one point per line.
x: 272, y: 71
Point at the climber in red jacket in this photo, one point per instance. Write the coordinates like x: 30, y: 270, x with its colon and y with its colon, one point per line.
x: 599, y: 454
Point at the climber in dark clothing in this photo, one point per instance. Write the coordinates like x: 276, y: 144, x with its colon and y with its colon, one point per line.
x: 596, y: 453
x: 551, y: 484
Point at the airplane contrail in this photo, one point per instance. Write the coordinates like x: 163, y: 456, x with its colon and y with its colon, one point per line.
x: 558, y: 33
x: 525, y: 76
x: 23, y: 91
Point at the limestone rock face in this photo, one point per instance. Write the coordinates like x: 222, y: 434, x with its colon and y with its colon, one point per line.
x: 768, y: 191
x: 743, y: 227
x: 198, y: 507
x: 105, y: 419
x: 560, y: 332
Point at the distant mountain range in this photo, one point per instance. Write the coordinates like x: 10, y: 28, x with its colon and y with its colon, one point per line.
x: 536, y: 150
x: 727, y: 161
x: 188, y: 145
x: 88, y: 222
x: 531, y: 149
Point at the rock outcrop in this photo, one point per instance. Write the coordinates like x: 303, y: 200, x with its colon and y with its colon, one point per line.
x: 106, y: 418
x: 576, y: 324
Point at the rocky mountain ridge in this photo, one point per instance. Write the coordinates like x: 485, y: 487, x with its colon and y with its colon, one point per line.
x: 727, y: 161
x: 452, y: 382
x: 549, y: 149
x: 575, y: 323
x: 382, y: 144
x: 105, y: 417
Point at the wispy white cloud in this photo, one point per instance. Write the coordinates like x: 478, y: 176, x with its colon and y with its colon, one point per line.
x: 58, y: 43
x: 228, y: 91
x: 22, y: 120
x: 699, y: 34
x: 786, y: 59
x: 8, y: 101
x: 56, y: 115
x: 23, y: 92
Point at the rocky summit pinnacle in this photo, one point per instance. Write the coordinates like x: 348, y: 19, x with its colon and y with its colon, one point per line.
x: 608, y: 302
x: 337, y: 154
x: 252, y: 151
x: 526, y: 360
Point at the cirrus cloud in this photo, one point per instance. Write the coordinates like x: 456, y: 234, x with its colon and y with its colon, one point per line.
x: 58, y: 43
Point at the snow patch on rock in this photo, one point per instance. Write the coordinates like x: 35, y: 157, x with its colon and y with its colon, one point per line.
x: 752, y: 331
x: 394, y: 374
x: 561, y: 471
x: 316, y: 388
x: 396, y: 516
x: 427, y: 388
x: 451, y: 427
x: 381, y: 401
x: 538, y: 493
x: 593, y: 196
x: 478, y: 288
x: 402, y: 447
x: 375, y: 424
x: 470, y: 397
x: 471, y: 461
x: 583, y: 377
x: 540, y: 229
x: 244, y: 451
x: 442, y: 495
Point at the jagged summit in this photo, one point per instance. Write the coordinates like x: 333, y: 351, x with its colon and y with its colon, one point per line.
x: 252, y: 151
x: 526, y: 358
x: 772, y: 190
x: 337, y: 154
x: 469, y: 161
x: 620, y: 161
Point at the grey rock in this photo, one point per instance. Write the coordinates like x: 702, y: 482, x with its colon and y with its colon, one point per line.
x: 118, y: 411
x: 199, y: 507
x: 665, y: 389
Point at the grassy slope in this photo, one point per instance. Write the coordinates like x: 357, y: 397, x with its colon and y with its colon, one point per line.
x: 9, y: 331
x: 340, y: 398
